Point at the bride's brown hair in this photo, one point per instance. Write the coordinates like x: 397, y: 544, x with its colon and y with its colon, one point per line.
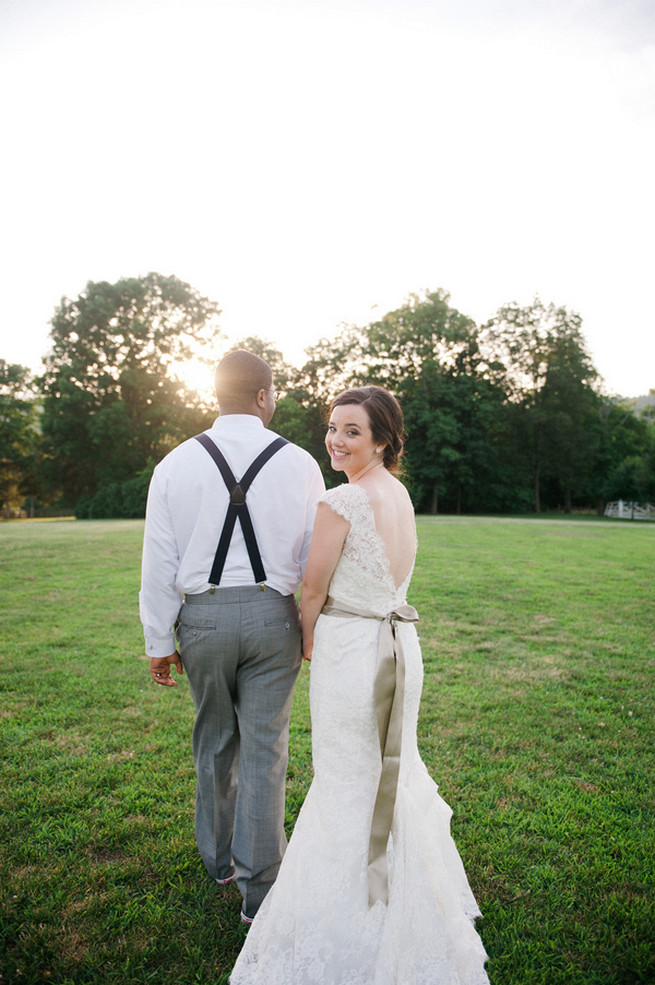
x: 385, y: 418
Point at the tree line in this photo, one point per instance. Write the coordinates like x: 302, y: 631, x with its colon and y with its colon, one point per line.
x: 505, y: 417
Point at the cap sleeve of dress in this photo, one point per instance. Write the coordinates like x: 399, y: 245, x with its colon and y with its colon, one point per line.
x: 347, y: 500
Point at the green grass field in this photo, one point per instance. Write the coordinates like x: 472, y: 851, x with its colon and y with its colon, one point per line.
x: 537, y: 722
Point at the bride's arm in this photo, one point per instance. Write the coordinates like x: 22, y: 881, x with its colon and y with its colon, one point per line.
x: 328, y: 536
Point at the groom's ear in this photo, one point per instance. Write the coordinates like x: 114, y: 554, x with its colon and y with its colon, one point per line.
x: 264, y: 405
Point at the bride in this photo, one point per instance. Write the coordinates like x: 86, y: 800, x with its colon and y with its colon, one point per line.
x: 372, y: 890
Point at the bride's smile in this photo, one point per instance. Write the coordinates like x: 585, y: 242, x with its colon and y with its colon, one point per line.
x: 350, y: 443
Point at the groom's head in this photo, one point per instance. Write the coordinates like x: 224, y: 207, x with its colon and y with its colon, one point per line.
x: 244, y: 385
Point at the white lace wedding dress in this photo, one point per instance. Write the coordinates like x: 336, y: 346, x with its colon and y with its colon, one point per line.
x: 315, y: 927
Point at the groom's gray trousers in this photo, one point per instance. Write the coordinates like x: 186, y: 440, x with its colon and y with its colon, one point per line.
x: 240, y: 648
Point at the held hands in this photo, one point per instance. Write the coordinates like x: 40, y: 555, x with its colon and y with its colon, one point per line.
x: 160, y: 669
x: 307, y: 647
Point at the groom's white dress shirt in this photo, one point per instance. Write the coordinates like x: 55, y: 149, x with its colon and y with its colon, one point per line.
x: 187, y: 504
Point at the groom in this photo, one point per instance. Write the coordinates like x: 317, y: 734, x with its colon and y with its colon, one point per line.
x: 228, y: 525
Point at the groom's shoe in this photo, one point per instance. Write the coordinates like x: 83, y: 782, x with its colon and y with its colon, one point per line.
x: 226, y: 882
x: 245, y: 919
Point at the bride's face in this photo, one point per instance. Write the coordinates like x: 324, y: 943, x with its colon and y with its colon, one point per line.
x: 349, y: 440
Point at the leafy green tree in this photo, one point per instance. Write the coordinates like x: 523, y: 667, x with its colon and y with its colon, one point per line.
x: 454, y: 420
x: 632, y: 480
x: 19, y: 435
x: 540, y: 353
x: 112, y: 401
x: 291, y: 420
x: 625, y: 462
x: 426, y: 329
x: 569, y: 405
x: 428, y: 353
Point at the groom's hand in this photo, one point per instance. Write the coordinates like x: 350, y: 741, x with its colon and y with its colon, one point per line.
x: 160, y: 669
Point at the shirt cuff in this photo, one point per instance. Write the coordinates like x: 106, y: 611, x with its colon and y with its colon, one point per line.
x: 162, y: 647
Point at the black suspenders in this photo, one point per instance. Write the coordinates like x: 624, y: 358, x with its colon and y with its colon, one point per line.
x: 238, y: 507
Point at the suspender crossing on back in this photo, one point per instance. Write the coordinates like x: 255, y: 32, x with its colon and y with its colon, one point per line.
x: 238, y: 507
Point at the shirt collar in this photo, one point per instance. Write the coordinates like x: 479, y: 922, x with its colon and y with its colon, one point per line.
x: 240, y: 422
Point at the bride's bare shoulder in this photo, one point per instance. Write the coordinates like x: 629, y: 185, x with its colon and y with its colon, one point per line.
x: 388, y: 491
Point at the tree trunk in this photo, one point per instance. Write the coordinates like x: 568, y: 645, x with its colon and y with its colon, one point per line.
x: 567, y: 501
x: 434, y: 504
x: 537, y: 466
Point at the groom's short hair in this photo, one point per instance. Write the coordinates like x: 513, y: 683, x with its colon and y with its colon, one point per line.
x: 239, y: 376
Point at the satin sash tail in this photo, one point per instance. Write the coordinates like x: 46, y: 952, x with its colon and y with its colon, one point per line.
x: 389, y: 691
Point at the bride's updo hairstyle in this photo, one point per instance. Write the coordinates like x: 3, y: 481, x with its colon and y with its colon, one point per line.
x: 385, y: 419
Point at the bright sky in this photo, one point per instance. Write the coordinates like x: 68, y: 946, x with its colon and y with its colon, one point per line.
x: 307, y: 164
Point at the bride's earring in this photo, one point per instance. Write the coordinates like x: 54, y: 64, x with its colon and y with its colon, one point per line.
x: 378, y: 451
